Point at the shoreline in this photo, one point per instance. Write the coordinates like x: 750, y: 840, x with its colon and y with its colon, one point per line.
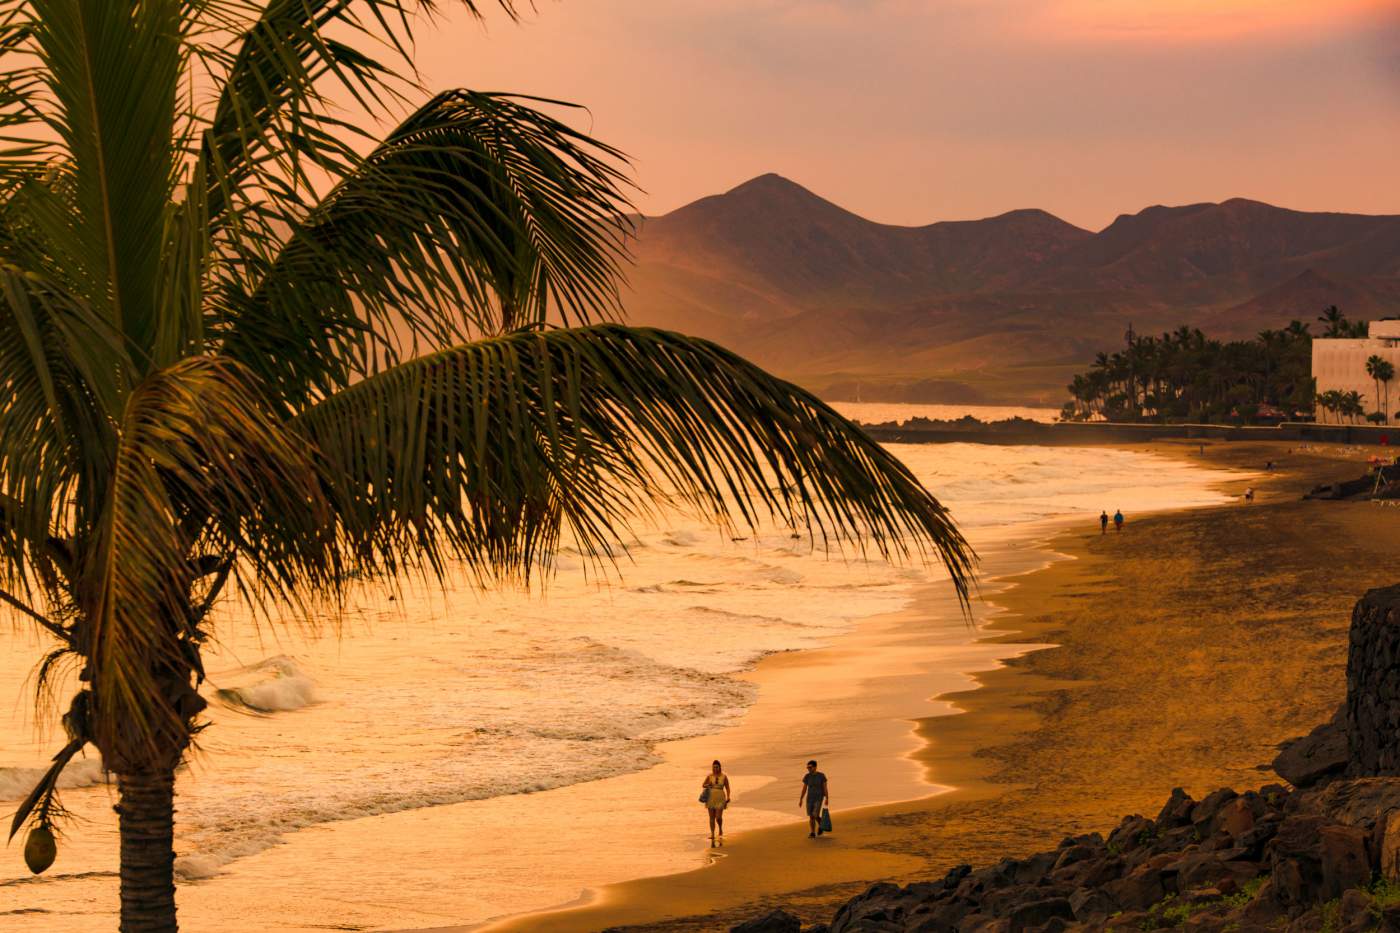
x: 998, y: 807
x: 767, y: 865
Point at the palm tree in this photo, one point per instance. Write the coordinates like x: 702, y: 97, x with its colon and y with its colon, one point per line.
x: 1384, y: 372
x: 1374, y: 364
x: 1351, y: 405
x: 1335, y: 321
x: 242, y: 341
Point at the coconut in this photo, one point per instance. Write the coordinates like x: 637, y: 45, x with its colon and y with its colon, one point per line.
x: 40, y: 849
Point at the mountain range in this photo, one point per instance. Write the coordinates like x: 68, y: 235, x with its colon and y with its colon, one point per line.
x: 1000, y: 310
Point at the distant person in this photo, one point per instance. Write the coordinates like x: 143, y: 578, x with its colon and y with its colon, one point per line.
x: 1118, y: 520
x: 1249, y: 494
x: 814, y: 792
x: 715, y: 795
x: 1103, y: 522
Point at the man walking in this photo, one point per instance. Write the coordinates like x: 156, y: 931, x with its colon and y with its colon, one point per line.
x: 1118, y: 520
x: 814, y: 792
x: 1103, y: 523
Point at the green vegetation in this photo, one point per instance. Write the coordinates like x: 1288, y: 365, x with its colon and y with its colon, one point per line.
x: 243, y: 340
x: 1184, y: 376
x: 1171, y: 912
x: 1384, y: 893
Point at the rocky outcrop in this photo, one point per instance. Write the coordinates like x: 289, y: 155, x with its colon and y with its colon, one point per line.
x: 1373, y: 684
x: 1275, y: 858
x: 1317, y: 756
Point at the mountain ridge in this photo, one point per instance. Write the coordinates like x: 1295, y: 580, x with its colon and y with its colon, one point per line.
x: 828, y: 297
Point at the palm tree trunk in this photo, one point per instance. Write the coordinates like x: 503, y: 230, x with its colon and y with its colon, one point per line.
x: 147, y: 821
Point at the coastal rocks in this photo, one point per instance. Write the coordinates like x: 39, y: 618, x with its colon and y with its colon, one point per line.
x: 1373, y: 685
x: 1319, y: 755
x: 1272, y: 859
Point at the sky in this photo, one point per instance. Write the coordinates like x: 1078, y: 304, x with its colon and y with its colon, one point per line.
x: 912, y: 111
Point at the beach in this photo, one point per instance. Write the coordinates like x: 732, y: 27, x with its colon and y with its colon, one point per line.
x: 1185, y: 649
x: 463, y: 759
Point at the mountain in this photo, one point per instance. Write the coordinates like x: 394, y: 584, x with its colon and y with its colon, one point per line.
x: 1003, y: 309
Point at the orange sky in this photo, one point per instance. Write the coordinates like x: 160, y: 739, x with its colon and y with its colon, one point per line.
x: 910, y: 111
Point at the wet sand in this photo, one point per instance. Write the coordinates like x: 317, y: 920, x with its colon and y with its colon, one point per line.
x: 1184, y: 650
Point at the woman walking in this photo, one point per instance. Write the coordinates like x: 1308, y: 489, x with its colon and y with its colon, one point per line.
x: 714, y: 794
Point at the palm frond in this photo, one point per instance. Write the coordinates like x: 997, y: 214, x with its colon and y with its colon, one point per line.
x: 200, y: 467
x: 112, y: 71
x: 60, y: 375
x: 273, y: 120
x: 475, y: 216
x: 484, y: 452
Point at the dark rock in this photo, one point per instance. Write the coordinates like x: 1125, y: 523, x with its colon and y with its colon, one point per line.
x: 1235, y: 818
x: 1203, y: 814
x: 1037, y: 913
x: 1032, y: 869
x: 1176, y: 811
x: 1076, y: 853
x: 1053, y: 925
x: 955, y: 876
x: 1133, y: 832
x: 1139, y: 891
x: 1103, y: 871
x: 1343, y: 857
x: 1354, y: 913
x: 1263, y: 908
x: 1320, y: 754
x: 1091, y: 905
x: 1373, y: 685
x: 1295, y: 861
x: 775, y: 921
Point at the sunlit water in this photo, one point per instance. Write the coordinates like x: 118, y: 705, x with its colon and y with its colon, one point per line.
x: 433, y: 699
x: 880, y: 412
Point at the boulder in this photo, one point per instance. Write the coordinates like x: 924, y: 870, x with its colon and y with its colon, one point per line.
x: 775, y: 921
x: 1176, y: 811
x: 1354, y: 913
x: 1317, y: 756
x: 1234, y: 818
x: 1133, y: 832
x: 1342, y: 856
x: 1091, y: 905
x: 1204, y: 812
x: 1038, y: 913
x: 1139, y: 891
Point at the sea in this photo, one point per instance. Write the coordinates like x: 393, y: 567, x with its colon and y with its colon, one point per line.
x: 425, y: 701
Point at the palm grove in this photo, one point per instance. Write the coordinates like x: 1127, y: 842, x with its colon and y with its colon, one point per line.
x: 1185, y: 376
x: 248, y: 350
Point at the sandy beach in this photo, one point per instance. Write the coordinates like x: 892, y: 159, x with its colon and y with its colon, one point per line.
x: 1244, y: 607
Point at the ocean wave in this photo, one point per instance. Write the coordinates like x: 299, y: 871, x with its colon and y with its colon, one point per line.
x: 508, y: 751
x: 16, y: 783
x: 277, y: 685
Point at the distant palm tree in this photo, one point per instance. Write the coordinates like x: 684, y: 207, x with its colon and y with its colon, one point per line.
x: 240, y: 340
x: 1382, y: 371
x: 1351, y: 405
x: 1335, y: 321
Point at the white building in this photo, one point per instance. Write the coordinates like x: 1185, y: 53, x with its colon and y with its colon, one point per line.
x: 1340, y: 363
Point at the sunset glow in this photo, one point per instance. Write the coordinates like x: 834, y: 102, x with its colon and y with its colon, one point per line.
x: 1210, y: 19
